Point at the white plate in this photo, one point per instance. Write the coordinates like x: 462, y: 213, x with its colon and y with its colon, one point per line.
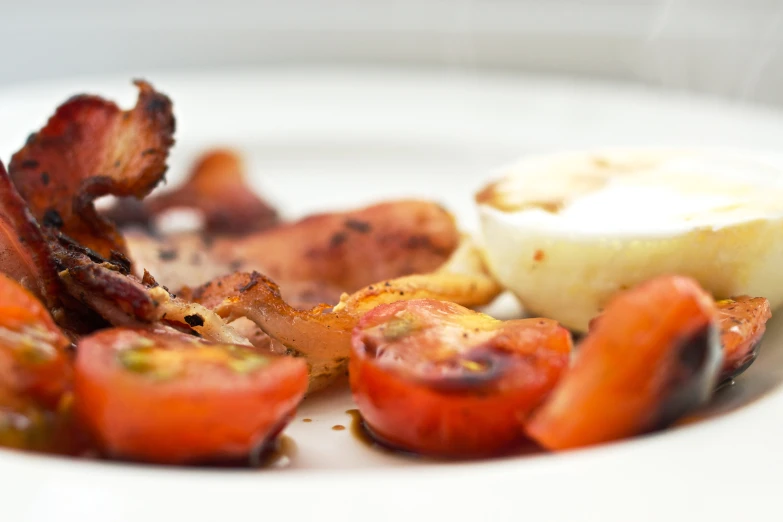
x: 327, y: 139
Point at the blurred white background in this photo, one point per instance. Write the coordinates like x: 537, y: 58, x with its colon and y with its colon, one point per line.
x: 732, y: 48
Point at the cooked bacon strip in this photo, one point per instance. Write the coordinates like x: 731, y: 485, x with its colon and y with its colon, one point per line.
x: 177, y: 261
x: 201, y: 320
x: 216, y: 188
x: 88, y: 149
x: 24, y: 254
x: 129, y: 213
x: 347, y: 250
x: 322, y: 334
x: 353, y: 249
x: 464, y: 279
x: 323, y: 338
x: 123, y: 300
x: 103, y: 286
x: 302, y: 295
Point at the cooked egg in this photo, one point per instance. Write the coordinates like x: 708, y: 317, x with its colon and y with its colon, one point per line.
x: 565, y: 232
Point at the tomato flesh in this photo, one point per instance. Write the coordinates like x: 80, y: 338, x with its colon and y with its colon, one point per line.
x: 162, y: 398
x: 34, y: 362
x: 434, y: 378
x: 654, y: 355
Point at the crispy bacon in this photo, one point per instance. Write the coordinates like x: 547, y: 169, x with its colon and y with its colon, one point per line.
x: 129, y: 213
x: 103, y: 286
x: 216, y: 188
x: 463, y: 279
x: 353, y: 249
x: 302, y: 295
x: 24, y: 254
x: 88, y: 149
x: 322, y: 333
x: 322, y: 338
x: 106, y: 287
x: 347, y: 250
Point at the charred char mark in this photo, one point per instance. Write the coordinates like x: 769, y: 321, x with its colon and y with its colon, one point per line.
x: 337, y: 239
x: 194, y: 320
x: 363, y: 227
x: 250, y: 284
x: 167, y: 255
x: 742, y: 365
x: 123, y: 263
x: 74, y: 247
x: 29, y: 164
x: 52, y: 219
x: 699, y: 359
x: 487, y: 364
x: 158, y: 104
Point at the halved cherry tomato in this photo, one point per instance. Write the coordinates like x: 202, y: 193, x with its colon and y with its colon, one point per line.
x: 435, y: 378
x: 33, y: 351
x: 163, y: 398
x: 26, y: 425
x: 742, y: 322
x: 654, y: 355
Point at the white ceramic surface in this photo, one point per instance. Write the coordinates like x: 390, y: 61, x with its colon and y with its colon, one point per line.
x: 326, y: 139
x: 733, y: 48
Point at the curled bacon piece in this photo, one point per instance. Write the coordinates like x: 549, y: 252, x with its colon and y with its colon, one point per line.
x: 88, y: 149
x: 301, y: 295
x: 347, y: 250
x: 106, y: 287
x: 24, y: 254
x: 322, y: 337
x: 217, y: 189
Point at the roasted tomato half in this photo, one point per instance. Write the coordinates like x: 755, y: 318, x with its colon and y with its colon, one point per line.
x: 23, y: 426
x: 654, y: 356
x: 34, y: 363
x: 434, y: 378
x: 26, y: 425
x: 742, y: 321
x: 164, y: 398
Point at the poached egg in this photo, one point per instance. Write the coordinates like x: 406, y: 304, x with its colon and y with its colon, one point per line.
x: 564, y: 232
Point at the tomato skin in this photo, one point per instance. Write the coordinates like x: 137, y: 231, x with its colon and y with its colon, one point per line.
x: 462, y: 415
x: 654, y: 355
x: 742, y: 321
x: 34, y: 363
x: 205, y: 415
x: 26, y: 425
